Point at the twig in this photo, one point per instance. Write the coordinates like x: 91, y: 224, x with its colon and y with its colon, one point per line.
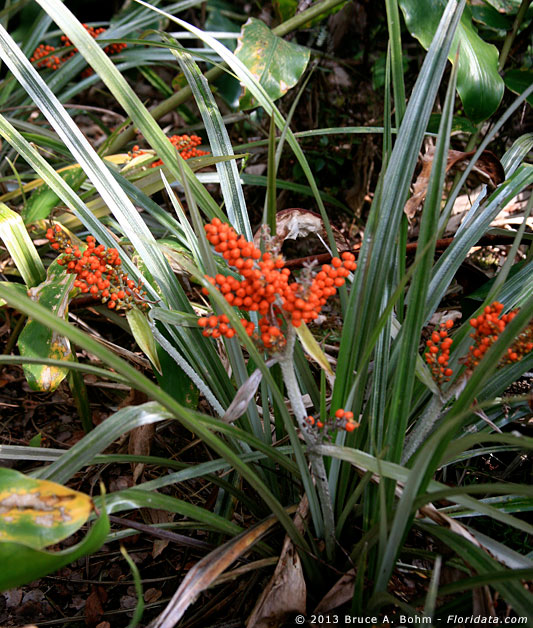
x: 441, y: 245
x: 167, y: 535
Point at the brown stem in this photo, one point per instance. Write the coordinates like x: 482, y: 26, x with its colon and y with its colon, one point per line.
x: 167, y: 535
x: 441, y: 245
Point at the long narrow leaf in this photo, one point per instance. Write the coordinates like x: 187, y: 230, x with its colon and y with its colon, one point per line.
x: 142, y: 383
x: 219, y: 141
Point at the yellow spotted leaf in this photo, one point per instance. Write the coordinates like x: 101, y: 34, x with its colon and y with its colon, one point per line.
x: 277, y: 64
x: 39, y: 513
x: 37, y: 340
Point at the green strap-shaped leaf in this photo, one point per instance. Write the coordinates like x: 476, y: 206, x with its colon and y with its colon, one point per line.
x: 20, y: 247
x: 478, y: 82
x: 37, y: 340
x: 277, y: 64
x: 15, y: 286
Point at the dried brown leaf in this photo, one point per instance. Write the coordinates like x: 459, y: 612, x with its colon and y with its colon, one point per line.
x: 340, y: 593
x: 296, y: 223
x: 285, y: 593
x: 139, y: 444
x: 201, y: 575
x: 94, y: 606
x: 487, y: 166
x: 152, y: 595
x: 160, y: 516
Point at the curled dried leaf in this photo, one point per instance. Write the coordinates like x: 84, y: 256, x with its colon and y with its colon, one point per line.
x: 295, y: 222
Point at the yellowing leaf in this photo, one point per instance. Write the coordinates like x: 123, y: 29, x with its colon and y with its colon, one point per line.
x: 312, y: 348
x: 37, y: 340
x: 38, y: 513
x: 277, y: 64
x: 140, y: 328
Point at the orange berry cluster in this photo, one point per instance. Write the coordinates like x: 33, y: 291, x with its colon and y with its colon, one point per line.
x: 487, y: 327
x: 98, y: 271
x: 343, y: 419
x: 265, y: 288
x: 438, y: 353
x: 45, y: 59
x: 184, y: 144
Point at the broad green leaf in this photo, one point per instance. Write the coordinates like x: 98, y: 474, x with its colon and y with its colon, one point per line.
x: 20, y: 247
x: 174, y: 380
x: 459, y: 124
x: 478, y: 82
x: 142, y: 332
x: 487, y: 15
x: 519, y: 80
x: 274, y: 62
x: 285, y: 8
x: 509, y: 7
x: 39, y: 513
x: 48, y: 512
x: 43, y: 200
x: 37, y: 340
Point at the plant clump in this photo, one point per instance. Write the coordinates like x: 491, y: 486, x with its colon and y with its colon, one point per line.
x: 265, y: 288
x: 98, y: 271
x: 44, y: 58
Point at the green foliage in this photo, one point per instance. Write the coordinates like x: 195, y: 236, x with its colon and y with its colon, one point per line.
x: 277, y: 65
x: 20, y: 246
x: 518, y: 81
x: 43, y: 200
x: 478, y: 82
x: 40, y: 341
x: 35, y: 514
x: 263, y: 454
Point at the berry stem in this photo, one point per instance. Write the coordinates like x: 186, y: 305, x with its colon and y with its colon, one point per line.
x: 424, y: 426
x: 311, y: 439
